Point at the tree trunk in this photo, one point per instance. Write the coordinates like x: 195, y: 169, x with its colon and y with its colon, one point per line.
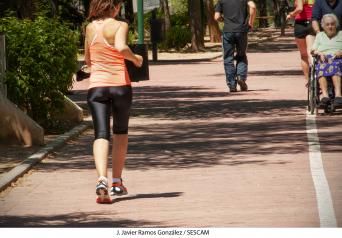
x: 197, y: 39
x: 283, y: 6
x: 276, y: 9
x: 129, y: 14
x: 263, y: 13
x: 86, y: 7
x: 165, y: 6
x: 214, y: 30
x: 54, y: 7
x: 25, y: 9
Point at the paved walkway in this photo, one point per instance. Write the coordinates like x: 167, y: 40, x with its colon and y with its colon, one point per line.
x: 198, y: 156
x: 11, y: 156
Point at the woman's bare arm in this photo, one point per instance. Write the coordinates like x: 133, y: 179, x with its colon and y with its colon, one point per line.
x: 297, y: 10
x: 87, y: 44
x: 122, y: 47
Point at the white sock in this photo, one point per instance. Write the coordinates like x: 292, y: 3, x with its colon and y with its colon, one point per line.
x: 116, y: 180
x: 103, y: 178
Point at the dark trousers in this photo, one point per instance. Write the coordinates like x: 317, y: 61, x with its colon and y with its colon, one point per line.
x: 235, y: 41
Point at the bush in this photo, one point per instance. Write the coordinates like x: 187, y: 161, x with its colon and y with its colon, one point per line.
x: 180, y: 19
x: 177, y: 37
x: 42, y: 57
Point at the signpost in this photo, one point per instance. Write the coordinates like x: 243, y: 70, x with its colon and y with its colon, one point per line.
x: 2, y: 64
x: 140, y: 21
x: 142, y: 73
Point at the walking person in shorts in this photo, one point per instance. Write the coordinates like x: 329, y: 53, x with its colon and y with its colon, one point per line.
x: 110, y: 91
x: 303, y: 32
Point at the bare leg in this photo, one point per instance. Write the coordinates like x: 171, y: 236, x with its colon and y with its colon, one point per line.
x: 100, y: 150
x: 119, y: 152
x: 301, y: 43
x: 337, y: 85
x: 324, y: 86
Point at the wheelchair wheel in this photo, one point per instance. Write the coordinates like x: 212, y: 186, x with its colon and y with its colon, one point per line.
x: 308, y: 99
x: 312, y: 93
x: 327, y: 109
x: 332, y: 107
x: 313, y: 89
x: 312, y: 105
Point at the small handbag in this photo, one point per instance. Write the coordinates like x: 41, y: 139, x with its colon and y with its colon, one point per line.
x: 136, y: 74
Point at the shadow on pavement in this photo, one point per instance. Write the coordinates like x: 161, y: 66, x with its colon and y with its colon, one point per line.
x: 184, y: 61
x: 79, y: 219
x: 276, y: 72
x: 188, y: 103
x: 186, y: 127
x: 274, y: 46
x: 142, y: 196
x: 271, y: 73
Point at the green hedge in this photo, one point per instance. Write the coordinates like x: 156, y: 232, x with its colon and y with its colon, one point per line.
x: 177, y: 37
x: 41, y: 57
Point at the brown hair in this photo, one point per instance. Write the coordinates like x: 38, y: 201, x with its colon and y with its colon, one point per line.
x: 101, y: 9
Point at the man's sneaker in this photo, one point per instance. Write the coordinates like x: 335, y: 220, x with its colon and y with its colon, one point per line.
x: 118, y: 189
x: 102, y: 192
x: 232, y: 89
x: 338, y: 101
x: 242, y: 84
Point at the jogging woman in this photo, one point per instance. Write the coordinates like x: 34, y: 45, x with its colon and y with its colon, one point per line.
x: 109, y: 91
x: 303, y: 31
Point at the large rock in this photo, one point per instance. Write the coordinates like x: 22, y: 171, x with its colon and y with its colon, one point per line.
x: 16, y: 127
x: 70, y: 113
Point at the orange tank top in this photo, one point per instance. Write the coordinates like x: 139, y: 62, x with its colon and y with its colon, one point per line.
x: 107, y: 64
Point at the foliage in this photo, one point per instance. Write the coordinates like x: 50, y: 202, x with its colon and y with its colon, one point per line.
x: 42, y: 8
x: 42, y: 57
x: 132, y: 37
x: 179, y: 6
x: 180, y: 19
x: 68, y: 12
x: 177, y: 37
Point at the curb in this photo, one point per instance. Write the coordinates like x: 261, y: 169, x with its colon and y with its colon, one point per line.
x: 12, y: 175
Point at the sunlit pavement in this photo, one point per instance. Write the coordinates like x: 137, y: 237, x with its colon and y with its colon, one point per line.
x: 198, y: 155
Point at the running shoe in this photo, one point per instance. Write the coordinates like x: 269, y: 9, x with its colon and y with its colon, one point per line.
x: 118, y: 189
x: 102, y: 192
x: 242, y: 84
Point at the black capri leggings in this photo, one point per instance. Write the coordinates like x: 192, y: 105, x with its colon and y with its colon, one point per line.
x: 104, y: 99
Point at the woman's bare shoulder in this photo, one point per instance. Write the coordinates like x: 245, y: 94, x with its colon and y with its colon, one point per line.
x: 90, y: 27
x: 118, y: 23
x: 123, y: 24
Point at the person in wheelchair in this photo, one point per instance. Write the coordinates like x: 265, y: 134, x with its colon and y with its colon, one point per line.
x: 327, y: 48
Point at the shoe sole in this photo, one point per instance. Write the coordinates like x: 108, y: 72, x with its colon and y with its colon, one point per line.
x: 243, y: 85
x: 102, y: 196
x: 119, y: 194
x: 103, y: 200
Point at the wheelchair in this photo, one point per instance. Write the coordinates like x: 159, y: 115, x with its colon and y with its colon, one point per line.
x: 314, y: 91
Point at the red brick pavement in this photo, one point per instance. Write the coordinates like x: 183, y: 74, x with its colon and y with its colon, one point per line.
x: 198, y: 156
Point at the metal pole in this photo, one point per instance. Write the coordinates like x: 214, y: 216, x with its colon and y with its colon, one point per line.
x: 140, y: 8
x: 2, y: 64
